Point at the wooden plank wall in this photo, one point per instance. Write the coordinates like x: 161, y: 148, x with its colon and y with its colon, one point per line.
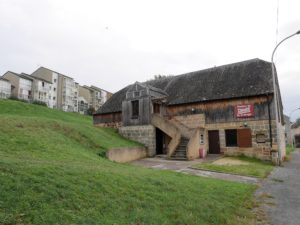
x: 223, y: 110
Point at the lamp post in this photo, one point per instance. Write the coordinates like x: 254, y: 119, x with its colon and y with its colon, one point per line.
x: 293, y: 124
x: 275, y: 93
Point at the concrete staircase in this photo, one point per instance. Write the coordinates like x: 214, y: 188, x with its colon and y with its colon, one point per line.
x: 177, y: 149
x: 180, y: 152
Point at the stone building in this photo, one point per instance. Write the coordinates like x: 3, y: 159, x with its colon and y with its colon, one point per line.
x: 227, y: 109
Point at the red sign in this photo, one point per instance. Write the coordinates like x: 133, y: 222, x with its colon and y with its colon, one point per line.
x: 242, y: 111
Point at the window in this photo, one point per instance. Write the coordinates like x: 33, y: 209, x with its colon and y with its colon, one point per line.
x: 241, y: 138
x: 54, y: 80
x: 156, y: 108
x: 135, y: 109
x: 43, y: 84
x: 231, y: 138
x: 54, y: 98
x: 136, y: 94
x: 54, y: 89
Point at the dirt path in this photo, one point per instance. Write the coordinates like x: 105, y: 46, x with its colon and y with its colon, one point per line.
x: 280, y: 193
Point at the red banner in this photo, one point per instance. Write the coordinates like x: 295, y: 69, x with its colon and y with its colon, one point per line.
x: 243, y: 111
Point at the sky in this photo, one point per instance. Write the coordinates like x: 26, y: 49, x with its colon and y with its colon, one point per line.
x: 114, y: 43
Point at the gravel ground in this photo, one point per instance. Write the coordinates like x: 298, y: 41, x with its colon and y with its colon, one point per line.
x: 280, y: 193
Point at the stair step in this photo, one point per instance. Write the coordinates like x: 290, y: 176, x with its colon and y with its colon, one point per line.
x: 177, y: 158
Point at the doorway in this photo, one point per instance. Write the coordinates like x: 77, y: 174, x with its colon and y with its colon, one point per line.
x: 159, y: 142
x: 213, y: 142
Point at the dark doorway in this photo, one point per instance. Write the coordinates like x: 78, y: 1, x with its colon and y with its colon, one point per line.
x: 159, y: 141
x: 213, y: 142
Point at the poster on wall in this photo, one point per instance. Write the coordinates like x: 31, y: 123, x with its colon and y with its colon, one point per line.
x: 244, y: 111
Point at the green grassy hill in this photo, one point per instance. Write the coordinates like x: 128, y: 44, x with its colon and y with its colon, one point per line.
x: 52, y: 172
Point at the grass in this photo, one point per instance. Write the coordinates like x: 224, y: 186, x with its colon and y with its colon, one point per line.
x: 289, y: 149
x: 51, y: 173
x: 254, y: 167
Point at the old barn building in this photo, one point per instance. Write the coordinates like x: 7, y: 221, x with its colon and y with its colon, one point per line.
x: 227, y: 109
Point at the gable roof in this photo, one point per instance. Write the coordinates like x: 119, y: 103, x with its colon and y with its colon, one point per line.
x: 42, y: 67
x: 23, y: 76
x: 34, y: 77
x: 248, y: 78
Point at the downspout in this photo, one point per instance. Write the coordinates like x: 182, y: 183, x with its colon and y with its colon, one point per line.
x: 270, y: 122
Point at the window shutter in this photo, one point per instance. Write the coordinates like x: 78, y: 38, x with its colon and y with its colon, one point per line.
x: 244, y: 138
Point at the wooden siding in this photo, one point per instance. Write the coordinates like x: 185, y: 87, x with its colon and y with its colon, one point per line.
x: 223, y: 111
x: 108, y: 118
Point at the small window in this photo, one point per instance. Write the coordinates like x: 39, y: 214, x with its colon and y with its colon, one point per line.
x: 156, y: 108
x: 54, y: 89
x: 136, y: 94
x: 54, y: 98
x: 54, y: 80
x: 231, y: 138
x: 43, y: 84
x: 135, y: 109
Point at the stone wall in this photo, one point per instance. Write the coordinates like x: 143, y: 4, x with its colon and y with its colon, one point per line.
x: 114, y: 125
x: 145, y: 134
x: 258, y: 150
x: 191, y: 121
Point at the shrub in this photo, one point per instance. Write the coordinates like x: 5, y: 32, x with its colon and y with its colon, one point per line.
x: 39, y: 103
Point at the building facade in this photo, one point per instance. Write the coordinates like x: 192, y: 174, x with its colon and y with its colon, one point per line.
x: 5, y: 88
x: 64, y: 91
x: 94, y: 96
x: 227, y: 109
x: 22, y: 85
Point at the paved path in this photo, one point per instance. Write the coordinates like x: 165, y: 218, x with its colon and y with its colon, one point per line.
x: 282, y: 189
x: 184, y: 167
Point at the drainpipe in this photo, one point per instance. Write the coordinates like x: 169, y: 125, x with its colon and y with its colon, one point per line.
x: 270, y: 122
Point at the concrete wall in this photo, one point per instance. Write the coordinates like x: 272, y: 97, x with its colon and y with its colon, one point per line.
x: 145, y: 134
x: 123, y: 155
x: 15, y: 81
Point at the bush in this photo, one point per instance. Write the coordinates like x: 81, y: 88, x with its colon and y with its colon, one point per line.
x: 91, y: 110
x: 16, y: 99
x: 39, y: 103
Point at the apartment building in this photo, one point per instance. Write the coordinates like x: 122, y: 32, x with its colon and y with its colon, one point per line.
x: 64, y: 89
x: 22, y: 85
x: 94, y: 96
x: 41, y: 90
x: 5, y: 88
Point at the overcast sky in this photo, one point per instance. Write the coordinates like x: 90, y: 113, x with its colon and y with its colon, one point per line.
x: 113, y: 43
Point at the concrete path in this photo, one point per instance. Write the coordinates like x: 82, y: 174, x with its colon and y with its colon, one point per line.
x: 280, y: 193
x: 185, y: 167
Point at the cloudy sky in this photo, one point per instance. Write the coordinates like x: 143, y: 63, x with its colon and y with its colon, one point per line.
x: 113, y: 43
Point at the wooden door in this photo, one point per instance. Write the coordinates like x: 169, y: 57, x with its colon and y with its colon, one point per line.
x: 213, y: 142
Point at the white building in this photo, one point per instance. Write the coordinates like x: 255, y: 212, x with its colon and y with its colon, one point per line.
x: 22, y: 85
x: 5, y: 88
x: 64, y: 91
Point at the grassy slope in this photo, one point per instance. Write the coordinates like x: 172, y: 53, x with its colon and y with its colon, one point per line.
x: 50, y: 173
x: 256, y: 168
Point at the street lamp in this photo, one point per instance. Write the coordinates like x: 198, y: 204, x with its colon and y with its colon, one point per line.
x: 275, y: 92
